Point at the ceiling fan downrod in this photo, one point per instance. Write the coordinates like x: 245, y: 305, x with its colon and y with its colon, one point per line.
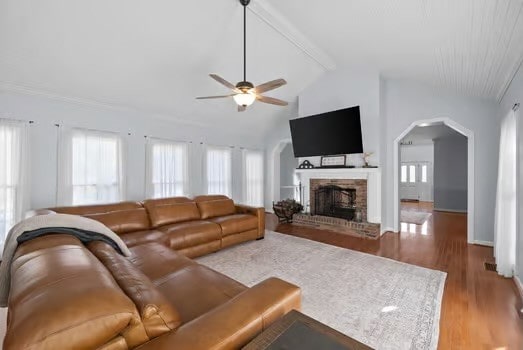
x: 244, y: 84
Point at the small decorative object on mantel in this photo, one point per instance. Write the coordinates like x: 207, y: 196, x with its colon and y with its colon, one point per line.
x: 333, y: 161
x: 285, y: 209
x: 306, y: 165
x: 366, y: 157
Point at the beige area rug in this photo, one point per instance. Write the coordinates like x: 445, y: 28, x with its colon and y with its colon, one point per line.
x: 380, y: 302
x: 414, y: 217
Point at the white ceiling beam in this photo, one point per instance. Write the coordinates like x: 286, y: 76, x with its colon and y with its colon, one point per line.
x: 267, y: 13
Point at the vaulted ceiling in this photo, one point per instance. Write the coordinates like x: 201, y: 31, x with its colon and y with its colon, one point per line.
x: 156, y: 55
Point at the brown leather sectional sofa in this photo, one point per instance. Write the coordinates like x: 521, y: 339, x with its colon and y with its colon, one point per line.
x: 65, y: 295
x: 193, y: 227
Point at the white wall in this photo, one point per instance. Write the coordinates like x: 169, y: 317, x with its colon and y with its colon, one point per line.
x: 288, y: 165
x: 347, y: 88
x: 47, y: 112
x: 417, y: 153
x: 450, y: 173
x: 274, y: 144
x: 389, y: 107
x: 514, y: 95
x: 405, y: 102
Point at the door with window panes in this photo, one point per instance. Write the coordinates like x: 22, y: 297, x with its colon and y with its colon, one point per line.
x: 416, y: 181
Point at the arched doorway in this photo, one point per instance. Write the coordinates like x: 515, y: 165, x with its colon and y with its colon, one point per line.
x: 470, y: 168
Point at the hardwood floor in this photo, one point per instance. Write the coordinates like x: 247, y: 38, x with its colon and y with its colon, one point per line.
x: 479, y: 308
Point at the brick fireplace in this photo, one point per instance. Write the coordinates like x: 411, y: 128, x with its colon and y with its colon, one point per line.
x: 334, y: 197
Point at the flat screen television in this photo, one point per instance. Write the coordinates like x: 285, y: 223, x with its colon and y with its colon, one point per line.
x: 331, y: 133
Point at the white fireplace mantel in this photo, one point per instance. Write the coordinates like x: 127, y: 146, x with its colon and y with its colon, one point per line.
x: 372, y: 175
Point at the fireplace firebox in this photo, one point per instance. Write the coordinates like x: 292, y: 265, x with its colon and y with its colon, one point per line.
x: 334, y: 201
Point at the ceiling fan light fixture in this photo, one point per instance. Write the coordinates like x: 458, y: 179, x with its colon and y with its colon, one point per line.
x: 244, y: 99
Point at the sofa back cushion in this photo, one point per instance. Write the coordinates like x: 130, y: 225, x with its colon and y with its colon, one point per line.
x: 62, y: 297
x: 97, y: 208
x: 171, y: 210
x: 123, y: 221
x: 209, y: 197
x: 156, y: 312
x: 214, y: 208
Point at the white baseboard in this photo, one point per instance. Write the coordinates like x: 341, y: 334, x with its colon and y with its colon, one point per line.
x: 519, y: 285
x: 451, y: 210
x: 484, y: 243
x: 386, y: 229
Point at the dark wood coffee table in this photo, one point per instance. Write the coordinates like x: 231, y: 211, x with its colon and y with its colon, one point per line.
x: 297, y: 331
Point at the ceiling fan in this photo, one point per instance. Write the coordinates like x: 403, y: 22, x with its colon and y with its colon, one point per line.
x: 245, y: 93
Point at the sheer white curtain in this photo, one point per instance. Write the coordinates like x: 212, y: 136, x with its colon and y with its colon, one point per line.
x: 90, y: 167
x: 167, y: 168
x: 218, y: 166
x: 253, y: 178
x: 505, y: 221
x: 13, y: 174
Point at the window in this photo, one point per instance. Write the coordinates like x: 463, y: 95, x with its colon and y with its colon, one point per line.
x: 253, y: 178
x: 218, y: 168
x: 403, y: 173
x: 12, y: 164
x: 166, y: 169
x: 90, y: 167
x: 424, y: 173
x: 412, y: 173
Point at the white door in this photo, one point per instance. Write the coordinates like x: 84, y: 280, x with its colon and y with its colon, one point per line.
x: 416, y: 181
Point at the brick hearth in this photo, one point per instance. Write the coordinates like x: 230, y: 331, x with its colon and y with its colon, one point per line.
x: 357, y: 229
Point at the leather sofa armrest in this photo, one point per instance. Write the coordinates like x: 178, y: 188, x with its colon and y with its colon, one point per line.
x: 258, y: 212
x: 36, y: 212
x: 235, y: 323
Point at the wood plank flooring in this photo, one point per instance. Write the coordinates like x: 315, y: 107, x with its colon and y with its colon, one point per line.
x: 480, y: 308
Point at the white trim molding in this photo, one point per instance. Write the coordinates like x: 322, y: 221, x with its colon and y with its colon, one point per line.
x: 40, y: 92
x: 519, y: 286
x: 470, y: 169
x: 484, y: 243
x: 458, y: 211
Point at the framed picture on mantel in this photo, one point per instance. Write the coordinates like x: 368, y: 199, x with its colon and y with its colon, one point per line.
x: 333, y: 161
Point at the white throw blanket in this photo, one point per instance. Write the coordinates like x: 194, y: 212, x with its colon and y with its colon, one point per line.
x: 47, y: 221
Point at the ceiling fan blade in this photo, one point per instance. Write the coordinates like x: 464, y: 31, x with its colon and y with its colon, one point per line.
x: 211, y: 97
x: 271, y: 100
x: 242, y: 108
x: 270, y: 85
x: 222, y: 81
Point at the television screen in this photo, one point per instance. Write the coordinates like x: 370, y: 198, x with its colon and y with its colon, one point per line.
x: 331, y: 133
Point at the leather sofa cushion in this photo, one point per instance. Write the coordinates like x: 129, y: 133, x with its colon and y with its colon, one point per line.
x: 167, y: 200
x: 236, y: 223
x: 141, y: 237
x: 73, y: 304
x: 123, y: 221
x: 196, y: 289
x: 191, y: 233
x: 214, y: 208
x: 209, y: 197
x: 97, y: 208
x: 165, y: 260
x: 191, y: 288
x: 157, y: 314
x: 164, y: 214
